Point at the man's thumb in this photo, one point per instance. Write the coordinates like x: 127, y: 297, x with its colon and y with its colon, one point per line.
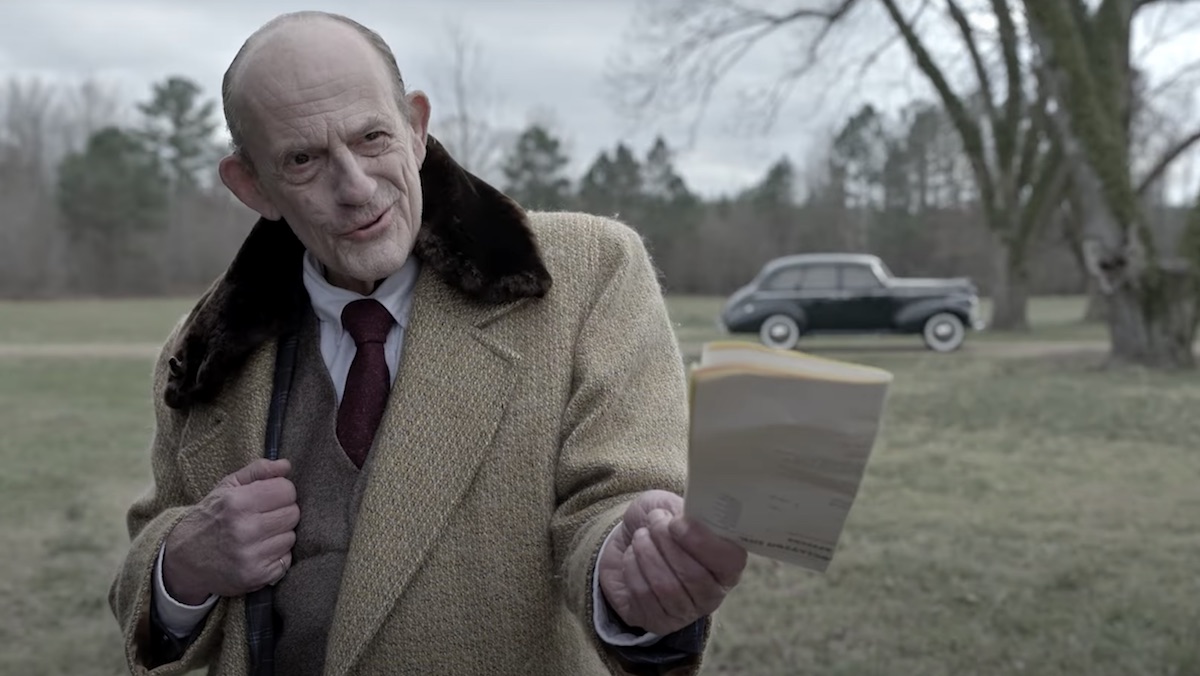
x: 259, y: 470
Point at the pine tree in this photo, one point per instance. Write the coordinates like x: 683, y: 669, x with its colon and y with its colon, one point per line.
x: 534, y: 171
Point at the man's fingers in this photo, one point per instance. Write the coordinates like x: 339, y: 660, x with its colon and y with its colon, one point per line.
x: 666, y: 587
x: 259, y: 564
x: 279, y: 521
x: 269, y: 495
x: 724, y: 559
x: 275, y: 550
x: 646, y: 610
x: 638, y: 514
x: 259, y: 470
x: 702, y: 588
x: 285, y: 563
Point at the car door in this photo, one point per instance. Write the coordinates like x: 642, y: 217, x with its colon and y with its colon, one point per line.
x: 782, y: 285
x: 865, y: 305
x: 820, y: 296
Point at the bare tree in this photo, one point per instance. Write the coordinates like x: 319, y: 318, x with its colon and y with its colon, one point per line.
x: 40, y: 123
x: 466, y: 103
x: 688, y: 46
x: 1150, y: 275
x: 32, y: 254
x: 84, y: 109
x: 28, y: 110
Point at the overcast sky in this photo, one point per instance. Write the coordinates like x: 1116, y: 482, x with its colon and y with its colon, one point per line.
x: 543, y: 55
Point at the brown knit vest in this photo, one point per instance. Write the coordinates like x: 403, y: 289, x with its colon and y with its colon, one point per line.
x: 328, y: 490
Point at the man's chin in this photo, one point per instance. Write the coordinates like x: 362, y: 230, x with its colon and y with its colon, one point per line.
x: 376, y: 263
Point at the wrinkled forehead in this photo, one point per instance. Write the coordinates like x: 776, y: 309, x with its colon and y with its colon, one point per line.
x: 312, y: 79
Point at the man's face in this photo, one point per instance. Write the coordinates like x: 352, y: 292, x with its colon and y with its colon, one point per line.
x: 333, y: 154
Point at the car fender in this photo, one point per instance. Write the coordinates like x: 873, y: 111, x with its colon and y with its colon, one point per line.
x: 741, y: 320
x: 912, y: 316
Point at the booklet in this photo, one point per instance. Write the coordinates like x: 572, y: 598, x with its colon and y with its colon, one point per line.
x: 778, y: 446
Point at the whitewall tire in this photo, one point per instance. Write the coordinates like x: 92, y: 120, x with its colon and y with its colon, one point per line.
x: 944, y: 332
x: 780, y: 332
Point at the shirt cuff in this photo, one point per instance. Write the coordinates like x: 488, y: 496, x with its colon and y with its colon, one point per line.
x: 608, y: 627
x: 177, y: 618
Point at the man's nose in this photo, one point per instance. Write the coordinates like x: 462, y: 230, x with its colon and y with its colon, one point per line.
x: 354, y: 187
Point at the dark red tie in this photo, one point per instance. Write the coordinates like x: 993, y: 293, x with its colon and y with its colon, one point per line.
x: 368, y: 382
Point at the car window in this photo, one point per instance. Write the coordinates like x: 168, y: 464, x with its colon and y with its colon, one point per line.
x: 787, y: 279
x: 819, y: 278
x: 858, y: 277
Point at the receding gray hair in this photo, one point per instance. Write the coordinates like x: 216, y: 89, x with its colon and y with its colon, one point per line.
x: 230, y: 99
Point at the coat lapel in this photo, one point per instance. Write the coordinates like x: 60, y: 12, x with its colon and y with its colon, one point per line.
x: 221, y: 438
x: 444, y: 409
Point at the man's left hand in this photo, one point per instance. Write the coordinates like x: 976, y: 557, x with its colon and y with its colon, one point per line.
x: 661, y: 571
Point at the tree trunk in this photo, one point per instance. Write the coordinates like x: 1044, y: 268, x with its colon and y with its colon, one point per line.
x: 1097, y: 304
x: 1152, y: 310
x: 1156, y: 329
x: 1010, y: 290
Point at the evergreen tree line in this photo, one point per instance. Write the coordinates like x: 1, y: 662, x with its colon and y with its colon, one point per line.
x: 96, y: 202
x: 895, y: 186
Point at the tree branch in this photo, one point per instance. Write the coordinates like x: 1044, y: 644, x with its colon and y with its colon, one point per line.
x: 689, y: 47
x: 1013, y: 107
x: 1175, y: 78
x: 1036, y: 132
x: 829, y: 15
x: 967, y: 128
x: 1160, y: 167
x: 968, y: 35
x: 1139, y: 4
x: 1049, y: 190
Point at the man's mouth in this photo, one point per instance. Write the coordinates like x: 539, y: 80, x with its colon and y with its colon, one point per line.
x: 369, y: 228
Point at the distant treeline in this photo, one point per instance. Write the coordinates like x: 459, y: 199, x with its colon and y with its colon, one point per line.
x: 97, y: 202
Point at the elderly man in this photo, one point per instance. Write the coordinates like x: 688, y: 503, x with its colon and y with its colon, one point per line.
x: 480, y: 413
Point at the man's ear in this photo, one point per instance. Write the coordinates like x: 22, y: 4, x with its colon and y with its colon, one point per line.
x: 241, y: 180
x: 418, y: 107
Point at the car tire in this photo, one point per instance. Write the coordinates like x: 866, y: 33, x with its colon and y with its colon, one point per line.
x: 780, y: 332
x: 944, y: 332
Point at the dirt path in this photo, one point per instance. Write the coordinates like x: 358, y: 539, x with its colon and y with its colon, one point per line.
x: 97, y: 350
x: 1020, y: 349
x: 1016, y: 349
x: 1013, y: 349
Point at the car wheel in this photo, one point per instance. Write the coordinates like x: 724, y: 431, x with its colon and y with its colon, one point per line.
x: 780, y: 332
x: 944, y: 332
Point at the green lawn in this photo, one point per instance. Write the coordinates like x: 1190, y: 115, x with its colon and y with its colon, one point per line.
x: 1053, y: 318
x: 90, y: 321
x: 1019, y: 517
x: 99, y: 321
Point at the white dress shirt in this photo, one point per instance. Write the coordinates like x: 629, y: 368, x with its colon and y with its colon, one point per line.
x: 338, y: 350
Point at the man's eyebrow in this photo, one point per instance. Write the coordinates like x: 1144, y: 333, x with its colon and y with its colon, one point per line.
x: 374, y: 123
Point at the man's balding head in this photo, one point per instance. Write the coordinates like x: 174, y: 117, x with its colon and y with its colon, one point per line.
x: 326, y: 138
x: 301, y: 31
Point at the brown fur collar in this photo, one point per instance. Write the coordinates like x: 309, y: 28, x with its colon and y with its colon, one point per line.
x: 472, y: 236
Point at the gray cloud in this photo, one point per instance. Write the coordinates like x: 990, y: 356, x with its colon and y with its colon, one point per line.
x: 542, y: 54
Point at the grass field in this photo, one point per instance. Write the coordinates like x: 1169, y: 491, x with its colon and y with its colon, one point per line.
x: 1020, y: 516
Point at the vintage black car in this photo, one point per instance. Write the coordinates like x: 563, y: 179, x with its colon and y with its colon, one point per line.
x: 831, y: 293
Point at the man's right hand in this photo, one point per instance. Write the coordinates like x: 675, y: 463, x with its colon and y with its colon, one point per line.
x: 237, y: 539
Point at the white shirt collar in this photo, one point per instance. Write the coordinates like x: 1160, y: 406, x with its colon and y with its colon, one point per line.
x: 328, y: 301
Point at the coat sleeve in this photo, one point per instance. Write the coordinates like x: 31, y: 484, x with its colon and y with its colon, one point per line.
x: 148, y: 647
x: 625, y: 427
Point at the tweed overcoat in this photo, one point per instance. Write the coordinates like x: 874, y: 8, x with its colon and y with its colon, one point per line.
x: 540, y: 390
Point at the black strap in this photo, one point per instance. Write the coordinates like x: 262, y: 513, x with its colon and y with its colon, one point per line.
x: 260, y: 614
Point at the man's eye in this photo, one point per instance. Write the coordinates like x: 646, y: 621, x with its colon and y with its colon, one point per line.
x: 375, y: 136
x: 300, y: 159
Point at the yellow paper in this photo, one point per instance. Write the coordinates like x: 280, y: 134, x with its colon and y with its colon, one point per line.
x: 778, y: 447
